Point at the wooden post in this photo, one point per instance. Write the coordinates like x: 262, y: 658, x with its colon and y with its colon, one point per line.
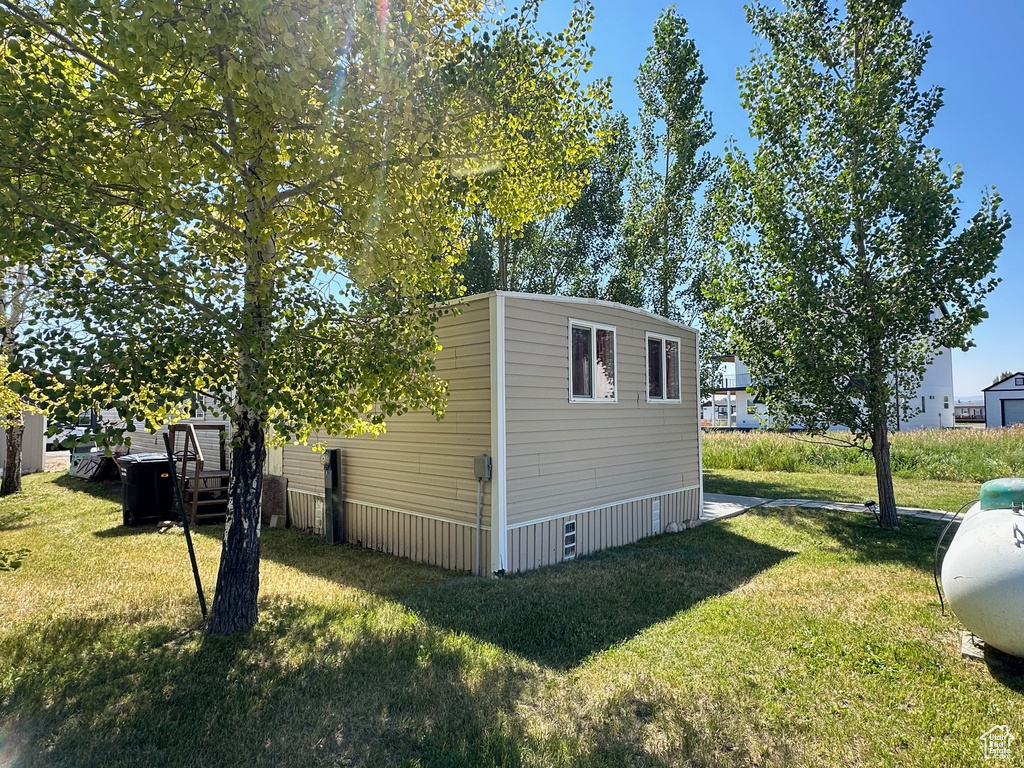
x: 334, y: 497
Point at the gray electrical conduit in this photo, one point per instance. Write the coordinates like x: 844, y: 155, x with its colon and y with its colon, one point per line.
x: 479, y: 521
x: 935, y: 557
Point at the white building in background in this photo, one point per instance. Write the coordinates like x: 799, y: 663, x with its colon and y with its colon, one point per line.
x: 1004, y: 402
x: 33, y: 444
x: 732, y: 406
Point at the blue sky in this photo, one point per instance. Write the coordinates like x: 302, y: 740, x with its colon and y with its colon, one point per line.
x: 976, y: 57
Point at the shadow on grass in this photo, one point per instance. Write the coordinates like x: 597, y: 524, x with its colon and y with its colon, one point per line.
x: 311, y: 685
x: 557, y: 616
x: 346, y: 565
x: 1007, y: 669
x: 120, y: 531
x: 106, y: 490
x: 858, y: 534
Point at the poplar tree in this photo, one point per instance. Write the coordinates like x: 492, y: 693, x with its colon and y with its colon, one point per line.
x: 662, y: 248
x: 847, y: 270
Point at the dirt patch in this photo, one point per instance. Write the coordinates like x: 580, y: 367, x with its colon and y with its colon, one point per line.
x: 58, y: 461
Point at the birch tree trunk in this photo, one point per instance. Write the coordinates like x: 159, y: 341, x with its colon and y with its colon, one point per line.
x: 11, y: 482
x: 238, y: 578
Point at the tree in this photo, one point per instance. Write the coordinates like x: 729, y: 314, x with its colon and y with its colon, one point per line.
x: 259, y: 202
x: 567, y: 251
x: 537, y: 149
x: 845, y: 264
x: 663, y: 251
x: 14, y: 384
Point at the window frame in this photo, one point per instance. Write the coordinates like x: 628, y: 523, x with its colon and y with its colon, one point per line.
x: 1018, y: 381
x: 594, y: 328
x: 648, y: 335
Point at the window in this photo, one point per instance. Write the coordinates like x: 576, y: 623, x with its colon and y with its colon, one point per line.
x: 751, y: 410
x: 662, y: 368
x: 1019, y: 381
x: 945, y: 402
x: 922, y: 404
x: 591, y: 362
x: 569, y: 540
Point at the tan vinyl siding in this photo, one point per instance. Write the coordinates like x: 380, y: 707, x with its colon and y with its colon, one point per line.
x: 306, y: 510
x: 566, y: 456
x: 421, y: 467
x: 442, y: 543
x: 424, y: 539
x: 534, y: 545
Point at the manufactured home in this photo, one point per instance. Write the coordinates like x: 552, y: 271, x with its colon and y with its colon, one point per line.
x: 587, y: 411
x: 734, y: 403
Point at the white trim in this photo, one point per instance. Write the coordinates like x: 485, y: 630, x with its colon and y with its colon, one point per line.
x: 492, y: 351
x: 588, y: 510
x: 499, y: 485
x: 427, y: 515
x: 595, y: 303
x: 463, y: 300
x: 565, y: 300
x: 700, y: 429
x: 320, y: 495
x: 594, y: 328
x: 664, y: 367
x: 502, y: 456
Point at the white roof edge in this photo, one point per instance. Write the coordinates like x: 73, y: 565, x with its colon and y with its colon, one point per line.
x: 465, y: 299
x: 995, y: 384
x: 581, y: 300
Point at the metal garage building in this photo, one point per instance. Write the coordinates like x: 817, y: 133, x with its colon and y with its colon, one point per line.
x: 1004, y: 402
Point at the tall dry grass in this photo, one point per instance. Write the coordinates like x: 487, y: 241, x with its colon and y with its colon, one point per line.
x: 970, y: 455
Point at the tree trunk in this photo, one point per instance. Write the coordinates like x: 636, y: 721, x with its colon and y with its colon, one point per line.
x: 883, y: 477
x: 238, y: 579
x: 502, y: 263
x: 11, y: 482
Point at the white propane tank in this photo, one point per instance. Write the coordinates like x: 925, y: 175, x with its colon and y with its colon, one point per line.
x: 983, y: 571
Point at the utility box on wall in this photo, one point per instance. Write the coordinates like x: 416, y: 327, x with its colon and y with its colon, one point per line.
x: 482, y: 467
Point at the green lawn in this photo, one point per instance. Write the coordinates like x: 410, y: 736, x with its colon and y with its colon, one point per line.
x: 778, y: 638
x: 927, y: 494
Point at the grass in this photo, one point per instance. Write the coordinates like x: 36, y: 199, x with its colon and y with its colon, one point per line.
x: 959, y: 455
x: 778, y: 638
x: 925, y: 494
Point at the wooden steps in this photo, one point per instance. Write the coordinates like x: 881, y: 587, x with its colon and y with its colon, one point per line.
x: 204, y: 491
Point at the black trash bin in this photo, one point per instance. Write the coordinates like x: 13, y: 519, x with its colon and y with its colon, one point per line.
x: 147, y: 488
